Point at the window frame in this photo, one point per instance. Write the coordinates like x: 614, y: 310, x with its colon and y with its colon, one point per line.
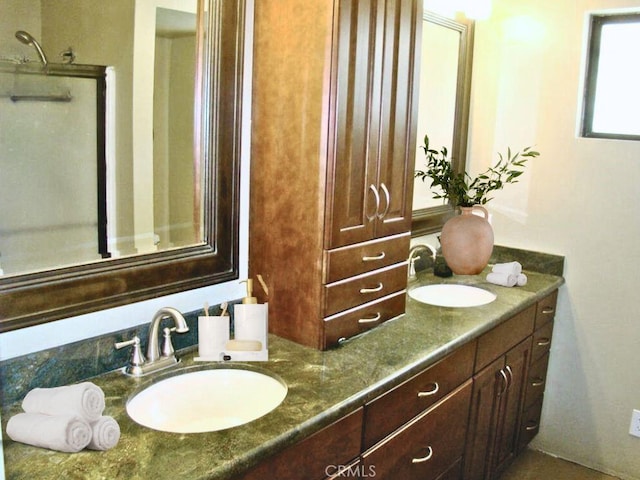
x: 596, y: 23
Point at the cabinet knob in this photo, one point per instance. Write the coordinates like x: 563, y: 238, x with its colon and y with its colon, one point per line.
x: 425, y: 458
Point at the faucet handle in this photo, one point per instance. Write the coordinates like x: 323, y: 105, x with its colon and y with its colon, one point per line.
x: 137, y: 357
x: 167, y: 347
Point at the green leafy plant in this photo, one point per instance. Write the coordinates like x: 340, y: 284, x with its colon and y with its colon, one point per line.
x: 460, y: 187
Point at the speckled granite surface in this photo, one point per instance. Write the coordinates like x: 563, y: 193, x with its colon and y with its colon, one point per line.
x: 323, y: 386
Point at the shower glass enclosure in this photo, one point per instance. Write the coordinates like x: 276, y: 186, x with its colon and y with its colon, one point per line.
x: 44, y: 109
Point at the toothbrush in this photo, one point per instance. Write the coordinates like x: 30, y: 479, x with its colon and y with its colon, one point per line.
x: 224, y: 306
x: 206, y: 309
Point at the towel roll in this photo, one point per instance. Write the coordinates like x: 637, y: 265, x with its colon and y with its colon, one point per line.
x: 64, y: 433
x: 84, y: 399
x: 522, y: 280
x: 512, y: 268
x: 105, y: 434
x: 503, y: 279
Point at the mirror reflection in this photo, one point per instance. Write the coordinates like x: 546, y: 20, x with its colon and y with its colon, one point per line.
x: 96, y: 131
x: 445, y: 85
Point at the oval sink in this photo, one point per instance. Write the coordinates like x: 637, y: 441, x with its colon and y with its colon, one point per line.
x: 452, y: 295
x: 206, y: 400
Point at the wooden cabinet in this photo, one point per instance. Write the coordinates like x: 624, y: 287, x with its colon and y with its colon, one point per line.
x: 319, y: 456
x: 333, y: 144
x: 508, y: 390
x: 417, y: 430
x: 464, y: 417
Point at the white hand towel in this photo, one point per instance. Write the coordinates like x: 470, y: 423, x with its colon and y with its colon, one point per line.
x: 512, y: 268
x: 84, y: 399
x: 65, y: 433
x: 522, y: 280
x: 504, y: 279
x: 106, y: 433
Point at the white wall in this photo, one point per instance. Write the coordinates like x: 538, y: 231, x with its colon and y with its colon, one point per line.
x: 577, y: 199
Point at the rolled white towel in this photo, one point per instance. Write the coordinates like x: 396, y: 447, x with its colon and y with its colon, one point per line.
x: 522, y: 280
x: 65, y: 433
x: 85, y: 399
x: 105, y: 434
x: 504, y: 279
x: 512, y: 268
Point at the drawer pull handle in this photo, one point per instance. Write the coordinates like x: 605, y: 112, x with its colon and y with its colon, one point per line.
x: 428, y: 393
x: 374, y: 319
x: 373, y: 289
x: 425, y: 458
x: 373, y: 258
x: 543, y: 342
x: 531, y: 427
x: 548, y: 310
x: 537, y: 382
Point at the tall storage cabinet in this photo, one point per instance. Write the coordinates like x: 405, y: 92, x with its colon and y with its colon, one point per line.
x: 333, y: 147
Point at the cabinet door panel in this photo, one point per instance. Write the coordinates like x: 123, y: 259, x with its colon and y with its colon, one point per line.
x: 352, y: 201
x: 400, y: 69
x: 516, y: 367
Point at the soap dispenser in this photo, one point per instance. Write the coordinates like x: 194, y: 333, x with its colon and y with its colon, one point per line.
x: 251, y: 326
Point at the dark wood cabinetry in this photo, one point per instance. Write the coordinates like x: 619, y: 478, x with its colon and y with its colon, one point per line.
x: 463, y: 418
x: 333, y: 146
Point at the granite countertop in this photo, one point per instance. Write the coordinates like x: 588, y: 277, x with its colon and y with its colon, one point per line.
x: 323, y: 386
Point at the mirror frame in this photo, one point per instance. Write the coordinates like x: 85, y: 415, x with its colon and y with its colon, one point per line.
x: 41, y: 297
x: 430, y: 220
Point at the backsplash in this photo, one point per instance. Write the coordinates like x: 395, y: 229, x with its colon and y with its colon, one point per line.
x: 84, y: 359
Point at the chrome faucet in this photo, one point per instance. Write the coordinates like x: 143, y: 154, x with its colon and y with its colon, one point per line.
x: 156, y: 358
x: 413, y: 255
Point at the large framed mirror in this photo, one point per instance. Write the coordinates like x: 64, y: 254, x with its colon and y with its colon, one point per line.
x: 162, y: 191
x: 445, y: 89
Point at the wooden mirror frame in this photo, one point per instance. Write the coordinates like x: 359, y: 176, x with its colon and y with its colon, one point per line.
x: 36, y: 298
x: 430, y: 220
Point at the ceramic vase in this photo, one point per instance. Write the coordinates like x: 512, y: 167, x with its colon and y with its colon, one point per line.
x: 467, y: 241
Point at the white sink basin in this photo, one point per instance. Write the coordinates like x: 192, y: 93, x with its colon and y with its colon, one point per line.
x: 452, y: 295
x: 206, y: 400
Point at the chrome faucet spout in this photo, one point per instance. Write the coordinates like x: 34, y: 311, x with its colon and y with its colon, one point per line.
x: 153, y: 350
x: 413, y: 255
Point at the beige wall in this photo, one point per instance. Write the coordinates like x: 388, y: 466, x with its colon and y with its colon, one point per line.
x: 578, y: 199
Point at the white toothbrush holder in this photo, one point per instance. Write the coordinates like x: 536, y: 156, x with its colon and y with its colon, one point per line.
x: 213, y: 335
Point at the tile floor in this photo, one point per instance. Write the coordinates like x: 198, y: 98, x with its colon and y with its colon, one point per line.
x: 533, y: 465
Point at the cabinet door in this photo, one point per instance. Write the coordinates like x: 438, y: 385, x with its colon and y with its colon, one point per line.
x: 399, y: 71
x: 352, y: 195
x: 516, y: 368
x: 495, y: 414
x: 374, y: 114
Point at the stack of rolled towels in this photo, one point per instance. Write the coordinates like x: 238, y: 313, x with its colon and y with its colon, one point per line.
x: 507, y: 274
x: 67, y: 419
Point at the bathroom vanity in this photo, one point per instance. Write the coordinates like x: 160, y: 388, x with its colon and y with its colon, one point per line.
x: 357, y: 404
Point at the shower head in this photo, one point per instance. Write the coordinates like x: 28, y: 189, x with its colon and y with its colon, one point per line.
x: 27, y: 39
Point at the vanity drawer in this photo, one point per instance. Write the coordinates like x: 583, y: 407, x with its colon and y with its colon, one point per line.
x: 337, y: 444
x: 541, y: 341
x: 502, y: 338
x: 352, y: 260
x: 360, y: 319
x: 546, y: 309
x: 399, y: 405
x: 346, y: 294
x: 530, y: 425
x: 426, y: 447
x: 536, y: 380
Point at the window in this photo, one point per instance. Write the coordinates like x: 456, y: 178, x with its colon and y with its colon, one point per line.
x: 612, y: 87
